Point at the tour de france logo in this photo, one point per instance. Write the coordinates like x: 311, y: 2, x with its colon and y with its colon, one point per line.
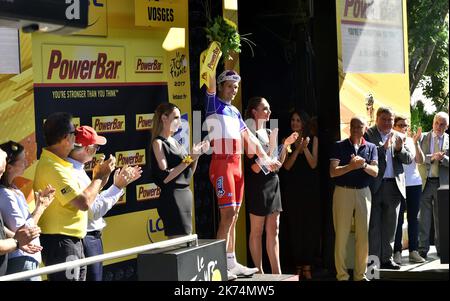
x: 178, y: 65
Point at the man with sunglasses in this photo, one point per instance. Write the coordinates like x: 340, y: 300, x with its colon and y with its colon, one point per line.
x: 87, y: 143
x: 63, y: 223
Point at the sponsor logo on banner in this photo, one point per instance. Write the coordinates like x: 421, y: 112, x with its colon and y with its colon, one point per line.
x: 98, y: 21
x: 89, y: 166
x: 147, y: 192
x: 130, y: 157
x: 148, y: 64
x: 144, y: 121
x: 75, y: 64
x: 155, y: 227
x: 109, y: 124
x: 159, y: 14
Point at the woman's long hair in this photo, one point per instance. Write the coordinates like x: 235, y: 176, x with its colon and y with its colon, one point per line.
x: 304, y: 118
x: 12, y: 150
x: 165, y: 108
x: 253, y: 103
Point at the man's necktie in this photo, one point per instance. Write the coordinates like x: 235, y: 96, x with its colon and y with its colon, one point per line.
x: 435, y: 164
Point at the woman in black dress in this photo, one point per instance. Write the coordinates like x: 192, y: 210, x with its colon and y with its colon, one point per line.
x: 172, y: 169
x: 262, y: 191
x: 302, y: 196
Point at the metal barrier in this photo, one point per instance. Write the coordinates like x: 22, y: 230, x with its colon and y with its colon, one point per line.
x: 89, y: 260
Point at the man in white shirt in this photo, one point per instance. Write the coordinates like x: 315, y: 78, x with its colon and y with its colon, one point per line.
x: 87, y: 143
x: 434, y: 173
x: 388, y: 188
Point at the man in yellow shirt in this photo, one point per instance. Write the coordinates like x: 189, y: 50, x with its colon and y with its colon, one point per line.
x: 64, y: 222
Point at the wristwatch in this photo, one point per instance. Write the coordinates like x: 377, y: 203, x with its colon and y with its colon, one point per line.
x: 365, y: 165
x: 17, y: 243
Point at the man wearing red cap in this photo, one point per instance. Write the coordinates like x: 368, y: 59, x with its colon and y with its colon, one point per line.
x: 87, y: 142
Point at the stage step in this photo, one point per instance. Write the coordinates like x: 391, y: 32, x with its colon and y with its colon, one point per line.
x: 432, y: 269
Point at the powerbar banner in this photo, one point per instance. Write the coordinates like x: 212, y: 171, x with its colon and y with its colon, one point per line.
x: 112, y: 77
x: 372, y: 36
x: 373, y: 56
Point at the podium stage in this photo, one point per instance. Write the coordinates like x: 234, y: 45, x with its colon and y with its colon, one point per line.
x: 205, y: 262
x: 431, y: 270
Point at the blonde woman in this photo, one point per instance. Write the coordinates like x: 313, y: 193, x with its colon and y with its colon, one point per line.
x: 172, y: 169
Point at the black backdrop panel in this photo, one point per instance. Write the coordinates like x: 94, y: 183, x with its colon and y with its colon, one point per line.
x: 117, y: 100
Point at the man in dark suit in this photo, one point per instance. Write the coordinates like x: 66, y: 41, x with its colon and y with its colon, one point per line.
x: 434, y: 173
x: 388, y: 188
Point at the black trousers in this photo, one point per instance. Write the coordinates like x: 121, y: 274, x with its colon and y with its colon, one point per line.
x: 59, y: 248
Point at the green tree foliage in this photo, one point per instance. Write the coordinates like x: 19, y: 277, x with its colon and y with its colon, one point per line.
x: 428, y: 49
x: 420, y: 118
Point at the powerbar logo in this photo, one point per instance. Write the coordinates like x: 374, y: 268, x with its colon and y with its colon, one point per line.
x: 147, y: 64
x: 214, y: 58
x: 91, y: 164
x: 131, y: 157
x: 147, y: 192
x: 109, y: 124
x: 77, y: 63
x: 144, y: 121
x: 100, y: 68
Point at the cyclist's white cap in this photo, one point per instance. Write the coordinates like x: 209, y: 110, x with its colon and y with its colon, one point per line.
x: 228, y: 75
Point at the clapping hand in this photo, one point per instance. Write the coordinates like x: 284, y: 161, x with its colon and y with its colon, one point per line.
x: 438, y: 156
x: 416, y: 136
x: 398, y: 142
x: 356, y: 162
x: 103, y: 168
x: 44, y: 198
x: 31, y: 248
x: 291, y: 139
x: 388, y: 142
x: 25, y: 235
x: 126, y: 175
x: 305, y: 142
